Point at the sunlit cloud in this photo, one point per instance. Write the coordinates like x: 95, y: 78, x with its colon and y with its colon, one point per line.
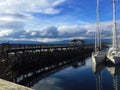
x: 4, y: 32
x: 42, y: 6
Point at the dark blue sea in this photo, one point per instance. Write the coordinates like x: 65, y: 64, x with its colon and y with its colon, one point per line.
x: 82, y: 75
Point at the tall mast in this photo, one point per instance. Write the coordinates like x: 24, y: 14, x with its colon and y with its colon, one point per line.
x: 114, y: 25
x: 97, y: 26
x: 95, y: 41
x: 96, y: 30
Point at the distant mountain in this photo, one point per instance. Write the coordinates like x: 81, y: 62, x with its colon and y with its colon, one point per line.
x: 58, y: 42
x: 20, y: 42
x: 92, y: 41
x: 87, y: 41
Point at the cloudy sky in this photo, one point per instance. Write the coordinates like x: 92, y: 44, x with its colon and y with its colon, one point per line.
x: 54, y: 20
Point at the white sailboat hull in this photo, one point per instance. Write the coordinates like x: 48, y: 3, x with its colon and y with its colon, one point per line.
x: 98, y: 57
x: 114, y: 55
x: 115, y: 60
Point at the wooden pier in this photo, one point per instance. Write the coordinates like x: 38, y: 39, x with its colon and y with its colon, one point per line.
x: 7, y: 47
x: 22, y: 59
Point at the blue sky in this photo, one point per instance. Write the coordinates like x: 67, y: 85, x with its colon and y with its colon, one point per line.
x: 54, y: 20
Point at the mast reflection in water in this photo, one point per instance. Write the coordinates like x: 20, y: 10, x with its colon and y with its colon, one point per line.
x: 107, y: 76
x: 75, y: 74
x: 82, y: 76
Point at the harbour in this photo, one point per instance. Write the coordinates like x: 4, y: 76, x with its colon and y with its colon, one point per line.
x: 59, y: 45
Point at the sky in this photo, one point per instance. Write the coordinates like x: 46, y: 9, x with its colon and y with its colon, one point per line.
x: 55, y: 20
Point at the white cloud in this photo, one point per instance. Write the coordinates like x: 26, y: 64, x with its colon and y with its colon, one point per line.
x: 71, y: 31
x: 17, y: 14
x: 57, y: 2
x: 14, y: 25
x: 51, y: 11
x: 14, y: 17
x: 5, y: 32
x: 33, y: 33
x: 62, y: 32
x: 41, y: 6
x: 48, y: 84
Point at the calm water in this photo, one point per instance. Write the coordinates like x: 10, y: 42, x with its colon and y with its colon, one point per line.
x: 82, y: 76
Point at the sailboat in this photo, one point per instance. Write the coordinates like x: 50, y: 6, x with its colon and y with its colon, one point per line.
x: 98, y: 55
x: 113, y: 53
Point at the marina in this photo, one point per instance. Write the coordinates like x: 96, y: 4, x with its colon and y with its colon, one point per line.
x: 59, y: 45
x: 66, y: 75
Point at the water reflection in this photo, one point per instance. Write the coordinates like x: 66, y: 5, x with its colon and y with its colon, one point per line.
x: 114, y: 69
x: 115, y: 72
x: 80, y: 76
x: 77, y: 73
x: 97, y: 69
x: 101, y: 75
x: 42, y: 73
x: 29, y: 68
x: 77, y: 64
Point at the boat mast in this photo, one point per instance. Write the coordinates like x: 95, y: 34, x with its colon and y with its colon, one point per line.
x: 95, y: 41
x: 114, y: 25
x: 97, y: 26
